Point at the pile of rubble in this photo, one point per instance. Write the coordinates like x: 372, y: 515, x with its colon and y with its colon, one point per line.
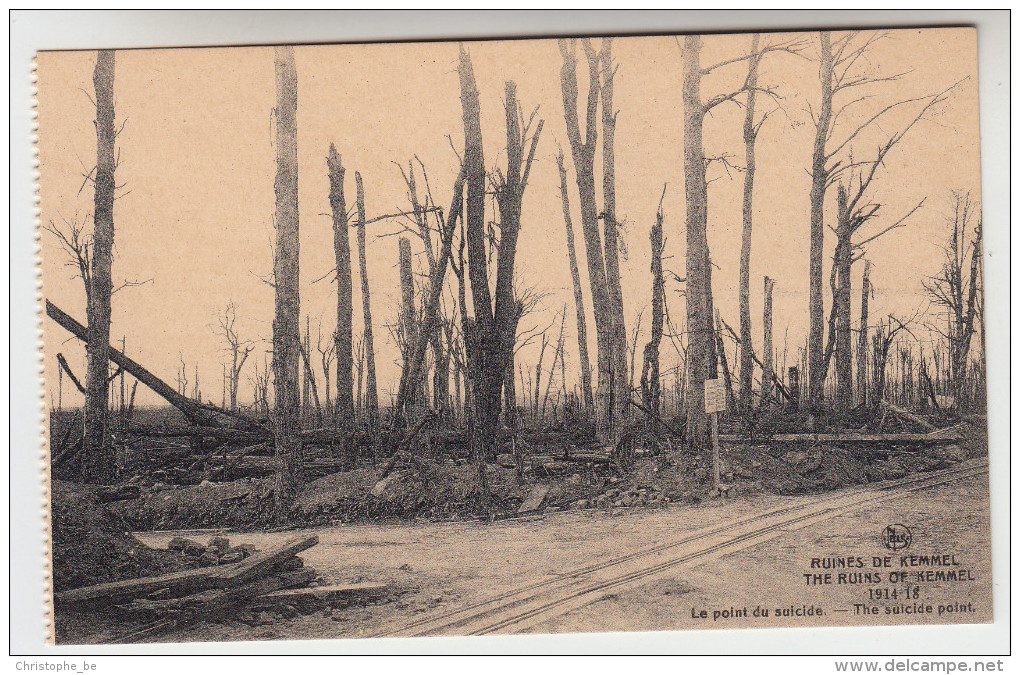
x: 645, y: 495
x: 240, y: 582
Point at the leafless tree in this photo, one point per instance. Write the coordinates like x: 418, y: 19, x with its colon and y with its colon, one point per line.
x: 237, y: 349
x: 489, y: 334
x: 752, y: 126
x: 622, y: 379
x: 650, y: 385
x: 287, y: 322
x: 854, y: 210
x: 99, y: 459
x: 768, y: 371
x: 701, y: 336
x: 957, y: 288
x: 582, y: 329
x: 882, y: 340
x: 344, y: 414
x: 862, y: 337
x: 841, y: 72
x: 327, y: 352
x: 371, y: 388
x: 583, y: 152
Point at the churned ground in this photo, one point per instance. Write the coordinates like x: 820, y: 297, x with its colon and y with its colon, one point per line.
x: 436, y: 567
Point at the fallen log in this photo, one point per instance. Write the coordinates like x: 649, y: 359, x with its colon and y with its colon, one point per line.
x: 202, y: 605
x: 222, y: 433
x: 261, y: 563
x: 195, y: 411
x: 177, y: 583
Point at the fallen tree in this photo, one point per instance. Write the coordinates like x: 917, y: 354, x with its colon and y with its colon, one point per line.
x: 196, y: 412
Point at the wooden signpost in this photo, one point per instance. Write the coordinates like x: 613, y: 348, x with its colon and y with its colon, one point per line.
x: 715, y: 402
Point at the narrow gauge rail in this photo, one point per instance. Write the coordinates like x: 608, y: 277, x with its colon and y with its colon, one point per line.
x: 529, y: 605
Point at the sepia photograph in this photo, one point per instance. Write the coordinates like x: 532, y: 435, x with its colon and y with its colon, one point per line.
x: 583, y: 334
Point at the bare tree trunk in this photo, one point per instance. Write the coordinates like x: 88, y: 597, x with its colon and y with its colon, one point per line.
x: 310, y: 380
x: 582, y: 329
x: 490, y: 336
x: 650, y: 386
x: 862, y: 338
x: 344, y: 335
x: 409, y: 323
x: 843, y: 259
x: 731, y: 400
x: 768, y: 369
x: 306, y: 374
x: 750, y: 136
x: 359, y: 400
x: 698, y: 284
x: 510, y: 414
x: 98, y: 465
x: 557, y: 355
x: 584, y: 160
x: 287, y: 324
x: 474, y: 170
x: 819, y: 179
x: 123, y: 350
x: 621, y: 379
x: 371, y: 389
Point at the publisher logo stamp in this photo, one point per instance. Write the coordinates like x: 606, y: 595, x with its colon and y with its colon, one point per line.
x: 897, y: 537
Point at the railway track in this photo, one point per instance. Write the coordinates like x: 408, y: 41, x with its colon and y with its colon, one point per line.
x: 532, y: 604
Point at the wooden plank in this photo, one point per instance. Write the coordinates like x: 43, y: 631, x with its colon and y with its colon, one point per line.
x: 937, y: 437
x: 261, y: 563
x: 321, y: 593
x: 177, y: 582
x: 535, y: 499
x: 203, y: 606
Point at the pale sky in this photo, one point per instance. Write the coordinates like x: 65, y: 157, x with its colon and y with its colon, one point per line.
x: 197, y: 164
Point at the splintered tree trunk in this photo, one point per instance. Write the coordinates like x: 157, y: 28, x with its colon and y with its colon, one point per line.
x: 306, y: 373
x: 557, y: 356
x: 698, y: 295
x: 408, y: 321
x: 491, y: 335
x: 731, y: 400
x: 440, y: 374
x: 862, y: 338
x: 583, y: 152
x: 344, y: 335
x: 409, y: 324
x: 582, y: 329
x: 842, y: 259
x: 287, y: 324
x: 486, y: 391
x: 371, y: 390
x: 538, y: 379
x: 819, y: 178
x: 621, y: 380
x: 750, y: 136
x: 768, y: 368
x: 650, y: 387
x: 99, y: 459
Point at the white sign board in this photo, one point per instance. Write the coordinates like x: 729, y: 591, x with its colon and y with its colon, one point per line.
x: 715, y: 396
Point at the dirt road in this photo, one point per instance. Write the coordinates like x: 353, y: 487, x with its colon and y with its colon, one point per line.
x: 440, y: 566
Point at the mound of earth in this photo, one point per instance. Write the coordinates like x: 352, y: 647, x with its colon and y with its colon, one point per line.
x: 91, y: 544
x: 240, y: 504
x: 438, y: 492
